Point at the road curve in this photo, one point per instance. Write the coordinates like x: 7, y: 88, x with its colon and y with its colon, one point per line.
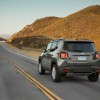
x: 74, y: 88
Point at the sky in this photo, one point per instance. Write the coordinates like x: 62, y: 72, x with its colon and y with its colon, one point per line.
x: 16, y: 14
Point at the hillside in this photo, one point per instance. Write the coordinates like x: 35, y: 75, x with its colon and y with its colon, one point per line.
x: 82, y: 24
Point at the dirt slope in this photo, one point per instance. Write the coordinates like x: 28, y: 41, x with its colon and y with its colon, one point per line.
x: 82, y: 24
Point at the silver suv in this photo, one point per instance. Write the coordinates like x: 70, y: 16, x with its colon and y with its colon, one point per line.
x: 70, y: 57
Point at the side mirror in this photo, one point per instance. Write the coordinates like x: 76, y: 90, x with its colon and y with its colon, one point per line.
x: 43, y: 49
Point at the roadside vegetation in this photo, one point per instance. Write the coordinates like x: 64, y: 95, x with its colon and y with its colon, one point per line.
x: 36, y: 42
x: 2, y: 39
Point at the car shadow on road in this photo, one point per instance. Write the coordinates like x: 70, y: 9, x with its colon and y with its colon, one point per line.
x: 83, y: 81
x: 74, y: 79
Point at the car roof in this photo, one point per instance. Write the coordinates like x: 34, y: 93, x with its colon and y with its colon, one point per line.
x: 78, y: 41
x: 73, y: 40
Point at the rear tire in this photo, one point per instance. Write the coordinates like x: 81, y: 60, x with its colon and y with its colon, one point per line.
x: 40, y: 69
x: 56, y: 77
x: 93, y: 77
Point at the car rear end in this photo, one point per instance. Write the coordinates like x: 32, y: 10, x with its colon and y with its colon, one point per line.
x: 79, y: 57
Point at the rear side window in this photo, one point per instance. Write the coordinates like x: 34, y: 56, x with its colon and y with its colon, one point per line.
x: 79, y: 46
x: 54, y: 45
x: 49, y: 46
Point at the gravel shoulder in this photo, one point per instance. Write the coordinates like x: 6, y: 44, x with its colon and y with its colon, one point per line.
x: 31, y: 52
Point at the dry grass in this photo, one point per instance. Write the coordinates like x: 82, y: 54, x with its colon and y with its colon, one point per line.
x: 84, y: 24
x: 34, y: 53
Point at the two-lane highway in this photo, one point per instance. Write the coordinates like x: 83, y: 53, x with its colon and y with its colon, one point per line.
x: 14, y: 85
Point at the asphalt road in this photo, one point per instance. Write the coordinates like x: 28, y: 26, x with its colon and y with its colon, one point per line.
x: 14, y: 86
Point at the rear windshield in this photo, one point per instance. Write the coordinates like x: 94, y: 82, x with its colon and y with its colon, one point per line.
x: 79, y: 46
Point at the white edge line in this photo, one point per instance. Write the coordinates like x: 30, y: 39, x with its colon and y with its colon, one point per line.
x: 19, y: 53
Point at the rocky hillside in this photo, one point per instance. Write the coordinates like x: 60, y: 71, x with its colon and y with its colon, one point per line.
x: 82, y: 24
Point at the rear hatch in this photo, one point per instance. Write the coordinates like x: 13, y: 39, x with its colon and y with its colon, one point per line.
x: 80, y: 51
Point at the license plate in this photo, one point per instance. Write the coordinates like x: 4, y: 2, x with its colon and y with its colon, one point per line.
x: 81, y: 58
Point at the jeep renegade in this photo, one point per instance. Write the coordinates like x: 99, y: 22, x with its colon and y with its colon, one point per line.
x: 70, y: 57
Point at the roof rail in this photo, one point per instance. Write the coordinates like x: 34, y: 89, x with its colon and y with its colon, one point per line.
x: 61, y: 39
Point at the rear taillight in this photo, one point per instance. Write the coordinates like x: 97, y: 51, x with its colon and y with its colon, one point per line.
x: 65, y: 70
x: 63, y: 55
x: 97, y: 56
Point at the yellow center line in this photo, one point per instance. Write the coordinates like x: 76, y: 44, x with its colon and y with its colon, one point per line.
x: 44, y: 89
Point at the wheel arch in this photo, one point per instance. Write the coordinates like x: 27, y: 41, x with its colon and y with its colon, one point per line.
x: 39, y: 60
x: 53, y: 62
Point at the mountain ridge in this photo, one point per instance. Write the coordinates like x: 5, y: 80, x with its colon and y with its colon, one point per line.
x: 82, y: 24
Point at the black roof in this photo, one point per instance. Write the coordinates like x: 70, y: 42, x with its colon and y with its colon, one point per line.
x: 71, y: 40
x: 78, y: 41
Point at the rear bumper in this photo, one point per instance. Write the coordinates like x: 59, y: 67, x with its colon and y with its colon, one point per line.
x: 79, y: 70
